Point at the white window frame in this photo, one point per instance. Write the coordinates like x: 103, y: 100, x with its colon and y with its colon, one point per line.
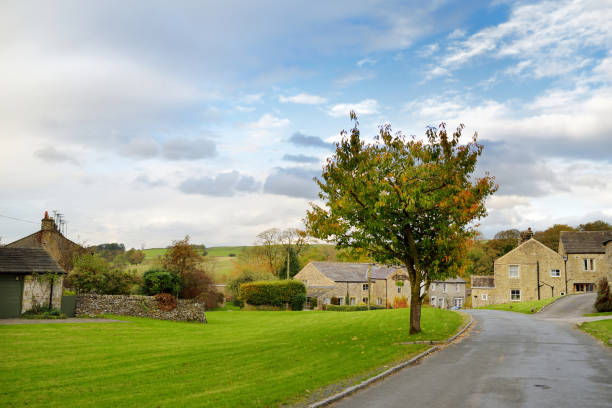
x: 484, y: 296
x: 379, y: 301
x: 327, y: 301
x: 433, y: 285
x: 456, y: 287
x: 352, y: 301
x: 432, y: 301
x: 458, y: 300
x: 586, y: 262
x: 518, y: 272
x: 519, y: 295
x: 399, y: 289
x: 341, y: 301
x: 365, y: 287
x: 557, y: 274
x: 444, y: 287
x: 441, y: 302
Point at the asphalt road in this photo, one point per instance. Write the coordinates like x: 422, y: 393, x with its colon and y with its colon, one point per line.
x: 508, y: 360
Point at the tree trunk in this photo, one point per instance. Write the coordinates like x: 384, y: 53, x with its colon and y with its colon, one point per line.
x: 415, y: 306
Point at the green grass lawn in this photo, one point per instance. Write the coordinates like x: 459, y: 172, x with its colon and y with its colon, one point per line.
x: 239, y: 359
x: 528, y: 307
x: 598, y: 314
x: 602, y: 329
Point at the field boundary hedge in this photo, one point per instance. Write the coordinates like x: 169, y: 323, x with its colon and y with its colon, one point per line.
x: 274, y: 293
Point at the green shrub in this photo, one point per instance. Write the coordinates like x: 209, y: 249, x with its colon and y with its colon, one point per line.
x: 274, y: 293
x: 41, y: 312
x: 604, y: 297
x: 313, y: 302
x: 160, y: 281
x: 348, y: 308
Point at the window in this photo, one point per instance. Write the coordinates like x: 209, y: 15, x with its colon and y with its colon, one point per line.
x: 432, y: 301
x: 365, y: 300
x: 583, y: 287
x: 588, y: 264
x: 458, y: 302
x: 513, y: 271
x: 365, y: 286
x: 327, y: 301
x: 399, y: 289
x: 379, y: 301
x: 433, y: 286
x: 456, y: 287
x: 483, y: 296
x: 444, y: 288
x: 307, y: 302
x: 562, y: 293
x: 353, y: 301
x: 555, y: 273
x: 515, y: 295
x: 441, y: 303
x: 340, y: 301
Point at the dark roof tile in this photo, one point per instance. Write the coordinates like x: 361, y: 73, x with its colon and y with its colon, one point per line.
x: 27, y: 261
x: 585, y: 242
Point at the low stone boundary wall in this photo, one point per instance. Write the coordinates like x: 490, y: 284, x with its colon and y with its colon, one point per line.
x: 139, y: 306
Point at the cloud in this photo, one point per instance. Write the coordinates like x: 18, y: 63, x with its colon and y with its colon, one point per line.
x: 303, y: 99
x: 501, y: 202
x: 548, y: 39
x: 141, y: 148
x: 352, y: 77
x: 366, y: 61
x: 456, y: 33
x: 252, y: 98
x: 293, y: 182
x: 300, y: 158
x: 365, y: 107
x: 189, y: 149
x: 53, y: 155
x: 222, y: 185
x: 269, y: 121
x: 145, y: 181
x: 302, y: 140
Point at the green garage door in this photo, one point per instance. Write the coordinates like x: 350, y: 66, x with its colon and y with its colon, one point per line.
x: 10, y: 295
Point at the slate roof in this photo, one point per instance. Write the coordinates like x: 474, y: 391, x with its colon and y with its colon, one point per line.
x: 353, y: 272
x: 27, y: 261
x: 452, y: 280
x: 585, y: 242
x: 483, y: 281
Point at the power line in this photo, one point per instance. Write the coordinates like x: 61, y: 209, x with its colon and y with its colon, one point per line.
x: 17, y: 219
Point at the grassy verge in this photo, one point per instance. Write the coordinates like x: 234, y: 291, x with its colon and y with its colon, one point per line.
x: 246, y: 359
x: 528, y: 307
x: 598, y: 314
x: 601, y: 329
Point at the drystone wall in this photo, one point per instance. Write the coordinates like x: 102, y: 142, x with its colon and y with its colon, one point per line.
x: 139, y: 306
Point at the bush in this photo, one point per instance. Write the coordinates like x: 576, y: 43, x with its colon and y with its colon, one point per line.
x: 348, y: 308
x: 604, y: 297
x: 198, y: 285
x: 158, y: 280
x: 313, y: 302
x: 165, y: 301
x: 400, y: 302
x: 246, y: 275
x: 93, y: 274
x: 274, y: 293
x: 41, y: 312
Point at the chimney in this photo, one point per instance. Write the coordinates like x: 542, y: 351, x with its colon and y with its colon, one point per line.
x: 526, y: 235
x: 47, y: 223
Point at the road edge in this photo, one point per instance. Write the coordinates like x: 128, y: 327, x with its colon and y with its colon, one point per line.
x: 551, y: 303
x: 350, y: 390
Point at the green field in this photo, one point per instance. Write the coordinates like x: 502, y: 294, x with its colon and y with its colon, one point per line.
x: 239, y: 359
x: 598, y: 314
x: 601, y: 329
x: 528, y: 307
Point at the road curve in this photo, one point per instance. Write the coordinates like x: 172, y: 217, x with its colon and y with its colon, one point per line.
x: 508, y: 360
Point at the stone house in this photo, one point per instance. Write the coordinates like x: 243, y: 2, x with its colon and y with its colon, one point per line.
x: 533, y: 271
x: 28, y: 277
x: 447, y: 293
x: 51, y: 239
x: 588, y: 258
x: 335, y: 281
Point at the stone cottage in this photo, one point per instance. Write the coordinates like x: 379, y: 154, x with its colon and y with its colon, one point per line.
x: 333, y: 282
x: 51, y: 239
x: 28, y: 277
x: 533, y: 271
x: 588, y: 257
x: 447, y: 293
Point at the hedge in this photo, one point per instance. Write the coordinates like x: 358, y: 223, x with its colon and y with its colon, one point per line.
x: 348, y: 308
x: 274, y: 293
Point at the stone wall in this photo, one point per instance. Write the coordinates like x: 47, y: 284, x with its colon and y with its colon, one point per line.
x: 139, y: 306
x: 36, y: 292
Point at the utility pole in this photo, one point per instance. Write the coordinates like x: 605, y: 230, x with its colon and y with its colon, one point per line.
x: 538, y: 274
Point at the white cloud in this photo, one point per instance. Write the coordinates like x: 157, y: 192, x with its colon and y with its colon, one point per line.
x: 366, y: 61
x: 500, y: 202
x: 303, y: 98
x: 269, y: 121
x: 456, y: 33
x: 547, y: 38
x: 365, y: 107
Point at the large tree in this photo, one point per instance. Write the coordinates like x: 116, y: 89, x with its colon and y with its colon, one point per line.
x: 404, y: 201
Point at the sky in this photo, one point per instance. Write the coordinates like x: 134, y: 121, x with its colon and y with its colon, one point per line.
x: 143, y: 121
